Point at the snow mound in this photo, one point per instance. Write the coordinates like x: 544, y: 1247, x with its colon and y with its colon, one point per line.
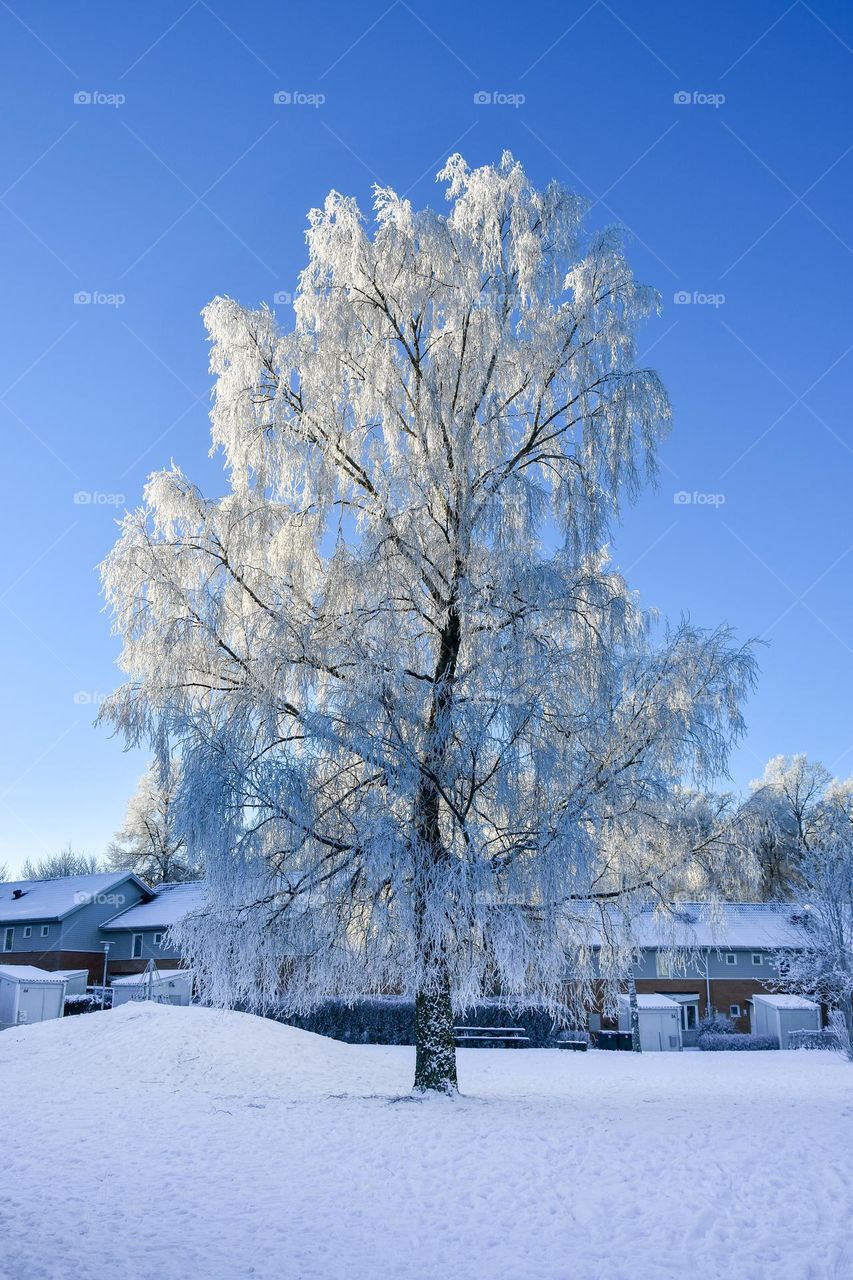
x: 147, y: 1043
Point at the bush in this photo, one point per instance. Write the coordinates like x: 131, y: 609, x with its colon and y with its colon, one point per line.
x: 81, y: 1004
x: 716, y: 1024
x: 391, y: 1020
x: 714, y: 1043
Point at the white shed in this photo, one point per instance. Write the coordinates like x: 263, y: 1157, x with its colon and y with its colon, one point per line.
x: 165, y: 986
x: 779, y: 1015
x: 28, y: 994
x: 76, y: 980
x: 660, y: 1022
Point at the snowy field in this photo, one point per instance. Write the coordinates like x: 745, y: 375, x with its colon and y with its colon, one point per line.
x: 161, y: 1142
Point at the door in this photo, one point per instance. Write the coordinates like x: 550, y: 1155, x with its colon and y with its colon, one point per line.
x: 31, y: 1004
x: 690, y: 1023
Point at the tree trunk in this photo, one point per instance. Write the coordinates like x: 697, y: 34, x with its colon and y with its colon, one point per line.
x: 634, y: 1011
x: 435, y: 1053
x: 435, y: 1056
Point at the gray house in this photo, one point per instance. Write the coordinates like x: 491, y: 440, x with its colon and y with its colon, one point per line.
x: 139, y: 933
x: 56, y: 924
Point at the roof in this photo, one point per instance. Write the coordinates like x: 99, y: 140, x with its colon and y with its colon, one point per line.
x: 56, y: 899
x: 786, y: 1001
x: 29, y: 973
x: 653, y: 1002
x: 725, y: 926
x: 141, y: 979
x: 170, y: 904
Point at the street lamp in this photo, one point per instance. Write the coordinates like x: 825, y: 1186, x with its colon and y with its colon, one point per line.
x: 106, y: 946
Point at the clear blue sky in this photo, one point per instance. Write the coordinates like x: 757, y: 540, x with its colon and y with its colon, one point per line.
x: 197, y: 184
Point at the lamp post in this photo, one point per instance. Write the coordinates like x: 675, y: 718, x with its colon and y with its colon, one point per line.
x: 106, y: 946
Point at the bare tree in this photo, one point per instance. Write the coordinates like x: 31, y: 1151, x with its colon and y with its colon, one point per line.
x: 149, y: 842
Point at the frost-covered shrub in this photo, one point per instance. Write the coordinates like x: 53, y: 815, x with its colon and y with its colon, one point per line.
x: 716, y: 1024
x: 714, y: 1043
x: 81, y: 1004
x: 391, y: 1020
x: 827, y: 1038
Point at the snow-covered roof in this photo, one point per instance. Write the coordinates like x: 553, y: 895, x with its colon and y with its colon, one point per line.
x: 726, y: 926
x: 141, y: 979
x: 56, y: 899
x: 171, y: 903
x: 69, y: 973
x: 29, y: 973
x: 786, y: 1001
x: 652, y: 1002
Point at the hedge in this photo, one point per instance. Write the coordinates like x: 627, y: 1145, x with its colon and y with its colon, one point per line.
x: 391, y: 1020
x: 715, y: 1043
x: 81, y: 1004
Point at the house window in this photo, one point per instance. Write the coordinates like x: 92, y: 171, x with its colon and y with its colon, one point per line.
x: 158, y: 939
x: 28, y: 930
x: 731, y: 958
x: 757, y: 957
x: 663, y: 961
x: 734, y: 1010
x: 8, y: 939
x: 136, y: 946
x: 45, y: 930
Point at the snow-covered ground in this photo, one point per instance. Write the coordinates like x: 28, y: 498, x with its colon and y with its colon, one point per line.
x: 161, y: 1142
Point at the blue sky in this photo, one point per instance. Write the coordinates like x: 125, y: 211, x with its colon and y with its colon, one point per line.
x: 178, y: 177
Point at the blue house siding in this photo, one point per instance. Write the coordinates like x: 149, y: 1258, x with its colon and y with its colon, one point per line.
x: 82, y: 930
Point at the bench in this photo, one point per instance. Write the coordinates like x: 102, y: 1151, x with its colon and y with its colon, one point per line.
x: 491, y: 1037
x: 579, y: 1046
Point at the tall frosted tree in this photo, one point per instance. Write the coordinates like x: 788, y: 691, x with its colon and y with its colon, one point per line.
x: 409, y: 691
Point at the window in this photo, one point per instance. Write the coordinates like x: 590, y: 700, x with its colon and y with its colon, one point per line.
x: 664, y: 964
x: 45, y: 930
x: 28, y: 930
x: 731, y: 958
x: 8, y: 939
x: 158, y: 939
x: 734, y: 1010
x: 757, y: 957
x: 136, y: 946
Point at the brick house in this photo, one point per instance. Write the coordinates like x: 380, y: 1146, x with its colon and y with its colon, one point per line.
x: 711, y: 959
x: 55, y: 924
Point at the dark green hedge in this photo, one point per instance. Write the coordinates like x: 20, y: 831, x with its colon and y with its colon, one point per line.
x: 391, y: 1020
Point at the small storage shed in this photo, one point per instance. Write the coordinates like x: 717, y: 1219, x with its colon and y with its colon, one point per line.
x: 660, y: 1022
x: 165, y: 986
x: 76, y: 980
x: 779, y: 1015
x: 28, y: 994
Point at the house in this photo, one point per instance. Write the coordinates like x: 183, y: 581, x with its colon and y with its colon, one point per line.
x: 138, y: 934
x: 28, y: 994
x: 55, y: 924
x: 711, y: 958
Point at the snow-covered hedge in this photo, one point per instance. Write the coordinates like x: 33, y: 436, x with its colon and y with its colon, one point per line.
x: 716, y: 1024
x: 81, y: 1004
x: 391, y: 1020
x: 713, y: 1043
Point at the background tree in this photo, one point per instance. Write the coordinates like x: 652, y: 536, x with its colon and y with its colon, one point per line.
x: 823, y: 965
x: 408, y: 689
x: 149, y: 843
x: 787, y: 812
x: 65, y: 863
